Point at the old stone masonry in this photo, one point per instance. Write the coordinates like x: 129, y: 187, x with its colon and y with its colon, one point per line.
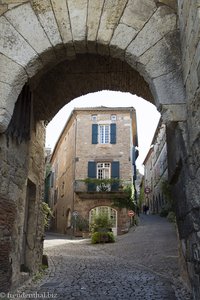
x: 54, y: 51
x: 141, y: 265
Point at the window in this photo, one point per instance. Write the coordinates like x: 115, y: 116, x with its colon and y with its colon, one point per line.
x: 94, y: 118
x: 103, y: 172
x: 113, y: 117
x: 104, y: 134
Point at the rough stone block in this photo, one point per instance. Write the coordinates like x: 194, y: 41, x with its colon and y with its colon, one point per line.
x: 162, y: 22
x: 8, y: 97
x: 26, y: 23
x: 161, y: 58
x: 122, y: 37
x: 138, y: 12
x: 110, y: 17
x: 94, y: 13
x: 78, y: 18
x: 62, y: 17
x: 169, y: 89
x: 5, y: 118
x: 44, y: 12
x: 3, y: 9
x: 12, y: 1
x: 173, y: 112
x: 15, y: 47
x: 12, y: 73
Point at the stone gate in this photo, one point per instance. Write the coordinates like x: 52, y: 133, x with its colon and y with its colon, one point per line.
x: 54, y: 51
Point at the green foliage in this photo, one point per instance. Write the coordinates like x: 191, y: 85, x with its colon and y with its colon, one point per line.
x: 126, y: 200
x: 141, y: 197
x: 135, y: 220
x: 82, y: 224
x: 164, y: 212
x: 102, y: 184
x: 171, y: 217
x: 102, y: 237
x: 167, y: 192
x: 40, y: 273
x: 168, y: 208
x: 47, y: 214
x: 100, y: 221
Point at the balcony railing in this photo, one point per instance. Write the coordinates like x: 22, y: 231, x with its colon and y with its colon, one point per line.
x: 100, y: 190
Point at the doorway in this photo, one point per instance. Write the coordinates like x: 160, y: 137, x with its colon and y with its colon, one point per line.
x: 112, y: 214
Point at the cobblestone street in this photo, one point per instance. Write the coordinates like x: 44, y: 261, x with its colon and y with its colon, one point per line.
x: 141, y: 265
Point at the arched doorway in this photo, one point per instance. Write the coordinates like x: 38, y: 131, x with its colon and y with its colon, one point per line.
x: 105, y: 210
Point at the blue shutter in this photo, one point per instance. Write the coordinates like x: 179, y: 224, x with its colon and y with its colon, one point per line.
x: 115, y: 174
x: 91, y: 174
x: 135, y: 154
x: 94, y: 133
x: 135, y: 172
x: 113, y: 133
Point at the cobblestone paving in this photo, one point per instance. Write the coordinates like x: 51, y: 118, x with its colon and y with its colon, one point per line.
x: 141, y: 265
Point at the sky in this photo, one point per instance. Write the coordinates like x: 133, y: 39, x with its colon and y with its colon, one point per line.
x: 146, y: 113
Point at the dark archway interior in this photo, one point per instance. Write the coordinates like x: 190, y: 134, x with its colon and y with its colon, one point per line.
x: 87, y: 73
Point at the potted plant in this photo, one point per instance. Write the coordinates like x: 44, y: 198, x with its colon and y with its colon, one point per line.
x: 101, y: 229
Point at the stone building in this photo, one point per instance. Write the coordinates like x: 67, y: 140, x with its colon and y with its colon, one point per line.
x: 96, y: 143
x: 156, y: 170
x: 64, y: 49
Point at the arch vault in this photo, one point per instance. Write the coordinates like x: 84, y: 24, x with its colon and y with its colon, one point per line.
x: 53, y: 51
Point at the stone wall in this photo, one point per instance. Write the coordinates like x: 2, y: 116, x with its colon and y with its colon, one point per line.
x: 18, y: 164
x: 62, y: 189
x: 189, y: 21
x: 7, y: 219
x: 134, y: 31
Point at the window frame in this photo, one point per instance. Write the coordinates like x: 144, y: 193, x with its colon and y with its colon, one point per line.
x: 104, y: 137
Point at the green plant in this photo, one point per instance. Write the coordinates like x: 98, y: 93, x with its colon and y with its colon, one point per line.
x: 47, y: 214
x: 126, y: 200
x: 102, y: 237
x: 82, y: 224
x: 100, y: 221
x: 167, y: 192
x: 102, y: 185
x: 171, y: 217
x: 40, y: 273
x: 141, y: 197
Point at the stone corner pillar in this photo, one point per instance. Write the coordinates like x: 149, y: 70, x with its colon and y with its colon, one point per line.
x: 173, y: 112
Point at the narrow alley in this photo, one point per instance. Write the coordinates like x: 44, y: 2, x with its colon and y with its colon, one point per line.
x: 141, y: 265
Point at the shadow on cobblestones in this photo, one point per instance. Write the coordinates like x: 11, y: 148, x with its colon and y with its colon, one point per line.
x: 141, y: 265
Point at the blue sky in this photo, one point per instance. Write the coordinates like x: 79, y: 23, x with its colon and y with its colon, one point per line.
x: 147, y: 117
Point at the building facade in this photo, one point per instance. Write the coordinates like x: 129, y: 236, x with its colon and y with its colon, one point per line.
x: 156, y: 171
x: 92, y: 160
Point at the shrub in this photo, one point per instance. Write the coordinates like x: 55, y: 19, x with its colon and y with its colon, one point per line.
x: 47, y: 214
x: 100, y: 221
x: 171, y: 217
x: 164, y: 212
x: 102, y: 237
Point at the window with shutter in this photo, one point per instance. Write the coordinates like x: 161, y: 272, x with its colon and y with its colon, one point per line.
x: 104, y: 134
x: 103, y: 172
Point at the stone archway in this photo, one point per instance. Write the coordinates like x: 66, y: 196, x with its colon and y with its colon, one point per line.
x: 53, y: 46
x: 39, y: 34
